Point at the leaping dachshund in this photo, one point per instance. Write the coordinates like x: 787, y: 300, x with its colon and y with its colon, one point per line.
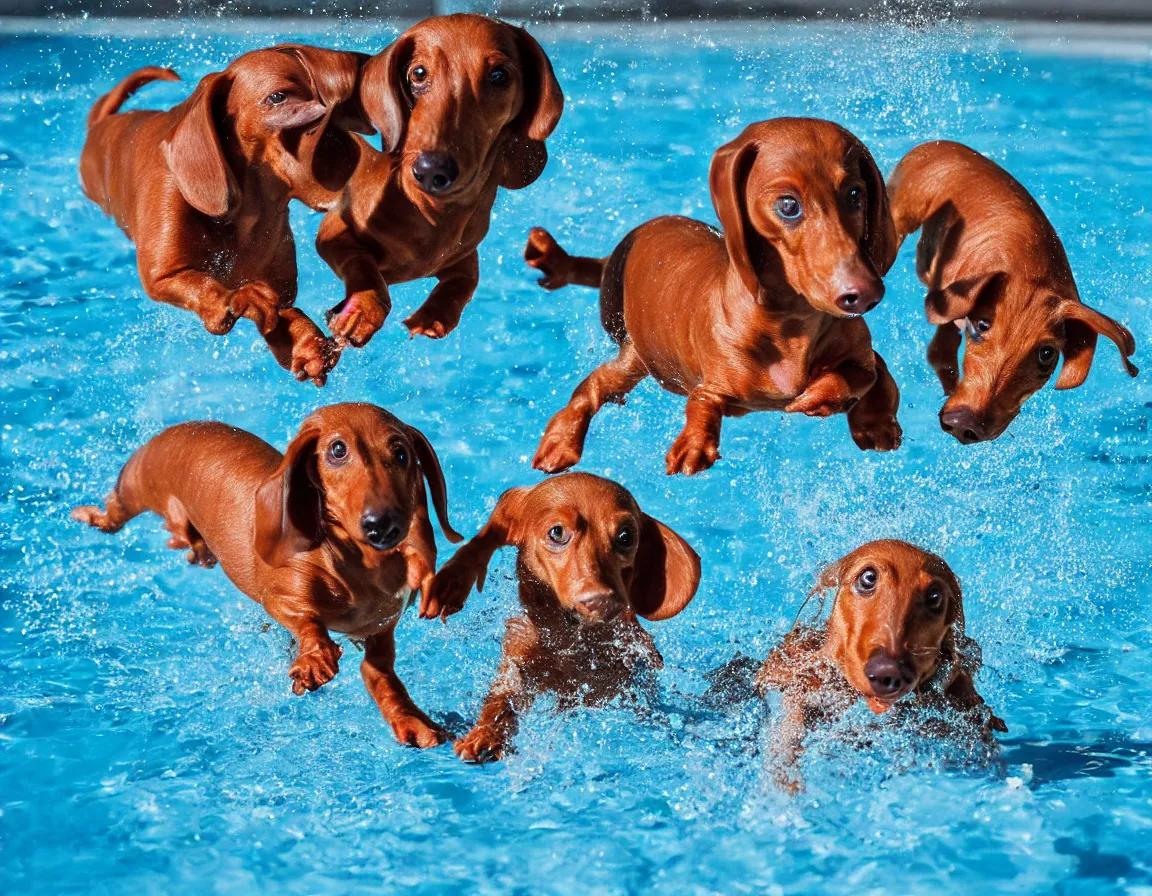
x: 995, y: 270
x: 765, y: 316
x: 333, y: 535
x: 203, y: 189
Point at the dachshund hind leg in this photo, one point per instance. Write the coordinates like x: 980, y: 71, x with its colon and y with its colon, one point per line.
x: 185, y: 535
x: 563, y: 440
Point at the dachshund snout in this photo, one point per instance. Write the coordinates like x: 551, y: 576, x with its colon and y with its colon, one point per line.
x: 859, y: 295
x: 382, y: 529
x: 599, y: 605
x: 435, y: 172
x: 888, y: 676
x: 965, y: 424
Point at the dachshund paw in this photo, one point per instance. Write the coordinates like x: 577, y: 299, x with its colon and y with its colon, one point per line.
x: 358, y: 318
x: 877, y: 435
x: 313, y: 357
x: 480, y: 745
x: 258, y: 302
x: 817, y: 405
x: 315, y: 666
x: 435, y: 324
x: 417, y: 730
x: 558, y: 451
x: 544, y: 254
x: 199, y: 555
x: 448, y: 591
x: 689, y: 455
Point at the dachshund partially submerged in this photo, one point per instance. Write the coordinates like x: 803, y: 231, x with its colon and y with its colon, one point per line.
x: 896, y: 631
x: 203, y: 189
x: 765, y: 316
x: 589, y: 562
x: 463, y: 104
x: 995, y: 270
x: 333, y: 535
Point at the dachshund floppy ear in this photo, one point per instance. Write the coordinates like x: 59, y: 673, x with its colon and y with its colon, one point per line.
x: 543, y: 102
x: 195, y: 155
x: 289, y: 504
x: 666, y: 574
x: 384, y: 94
x: 1082, y: 327
x: 727, y: 180
x: 879, y: 242
x: 469, y: 565
x: 430, y: 467
x: 957, y: 300
x: 329, y: 151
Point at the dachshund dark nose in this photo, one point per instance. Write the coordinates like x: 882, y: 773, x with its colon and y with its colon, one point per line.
x: 860, y: 298
x: 964, y: 425
x: 435, y: 171
x: 383, y: 530
x: 887, y: 675
x: 599, y: 606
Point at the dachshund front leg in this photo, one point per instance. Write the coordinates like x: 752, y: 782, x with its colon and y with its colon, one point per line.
x: 833, y: 390
x: 441, y: 311
x: 300, y: 347
x: 317, y: 659
x: 493, y: 732
x: 217, y: 306
x: 872, y: 421
x: 366, y: 304
x: 563, y: 440
x: 410, y: 726
x: 698, y: 446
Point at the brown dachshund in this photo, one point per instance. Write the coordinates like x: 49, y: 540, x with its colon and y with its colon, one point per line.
x: 763, y: 317
x: 203, y: 189
x: 332, y: 536
x: 589, y: 561
x: 996, y: 270
x: 896, y: 628
x: 463, y: 104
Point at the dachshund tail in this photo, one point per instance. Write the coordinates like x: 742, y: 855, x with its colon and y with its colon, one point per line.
x: 558, y: 267
x: 111, y: 102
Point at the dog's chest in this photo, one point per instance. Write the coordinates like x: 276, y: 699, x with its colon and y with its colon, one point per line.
x: 368, y: 603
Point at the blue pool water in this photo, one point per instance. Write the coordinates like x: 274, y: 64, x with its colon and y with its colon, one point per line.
x: 148, y: 738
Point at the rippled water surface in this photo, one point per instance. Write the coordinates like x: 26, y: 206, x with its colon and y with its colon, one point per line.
x: 148, y: 737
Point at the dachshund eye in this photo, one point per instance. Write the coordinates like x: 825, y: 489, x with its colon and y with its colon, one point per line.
x: 498, y: 77
x: 558, y: 537
x: 934, y: 600
x: 788, y: 208
x: 866, y: 581
x: 626, y: 538
x: 418, y: 75
x: 401, y: 455
x: 275, y: 99
x: 1046, y: 356
x: 855, y: 198
x: 338, y: 452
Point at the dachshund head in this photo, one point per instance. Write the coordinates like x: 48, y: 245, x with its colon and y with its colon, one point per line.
x: 1015, y: 332
x: 805, y: 212
x: 354, y: 475
x: 460, y: 99
x: 285, y: 110
x: 585, y: 548
x: 897, y: 616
